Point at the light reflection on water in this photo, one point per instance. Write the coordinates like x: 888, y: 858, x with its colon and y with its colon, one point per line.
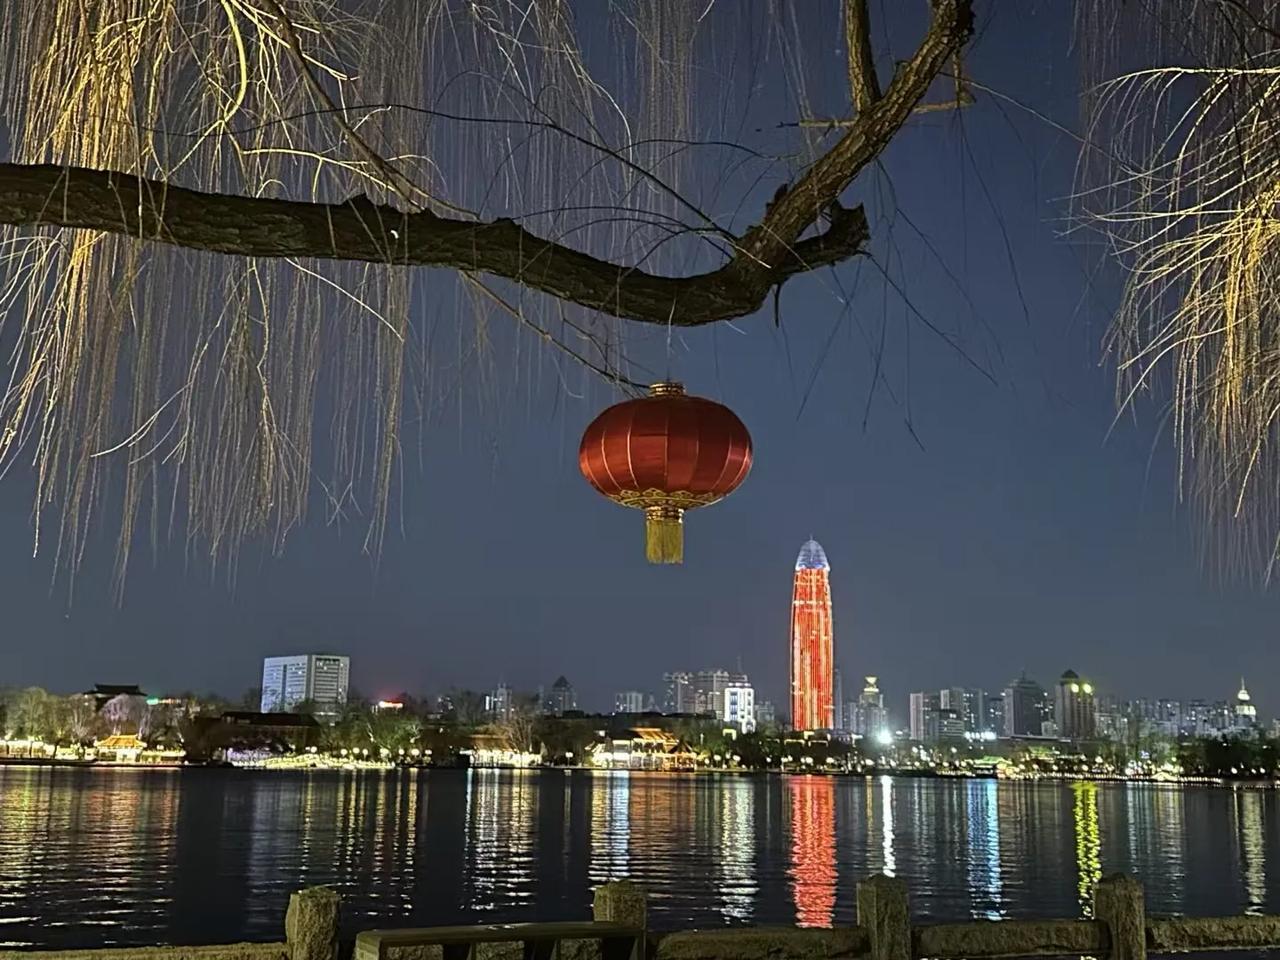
x: 116, y: 856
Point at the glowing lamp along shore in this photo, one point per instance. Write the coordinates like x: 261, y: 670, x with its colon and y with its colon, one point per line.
x: 664, y: 454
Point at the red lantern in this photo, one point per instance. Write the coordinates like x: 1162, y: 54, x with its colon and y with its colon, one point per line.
x: 664, y: 454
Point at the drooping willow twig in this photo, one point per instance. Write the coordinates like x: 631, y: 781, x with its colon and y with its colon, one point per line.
x: 1181, y: 173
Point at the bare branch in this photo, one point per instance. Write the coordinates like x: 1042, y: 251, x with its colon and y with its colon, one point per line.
x: 864, y: 87
x: 822, y: 184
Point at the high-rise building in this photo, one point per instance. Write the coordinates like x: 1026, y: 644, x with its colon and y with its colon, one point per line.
x: 677, y: 696
x: 631, y: 701
x: 708, y: 688
x: 1246, y: 712
x: 812, y: 642
x: 841, y: 721
x: 701, y: 692
x: 969, y: 705
x: 993, y: 714
x: 950, y: 726
x: 501, y: 704
x: 561, y: 699
x: 1025, y: 708
x: 766, y: 715
x: 319, y: 679
x: 868, y: 714
x: 924, y: 716
x: 1074, y: 708
x: 740, y: 706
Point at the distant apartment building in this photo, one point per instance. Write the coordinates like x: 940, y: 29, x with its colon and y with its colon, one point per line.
x: 949, y: 726
x: 924, y: 707
x: 562, y: 698
x: 739, y: 707
x: 500, y: 705
x: 677, y: 696
x: 319, y: 679
x: 632, y: 701
x: 701, y: 692
x: 766, y: 714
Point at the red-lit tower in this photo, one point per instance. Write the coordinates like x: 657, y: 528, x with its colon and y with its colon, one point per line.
x: 812, y: 642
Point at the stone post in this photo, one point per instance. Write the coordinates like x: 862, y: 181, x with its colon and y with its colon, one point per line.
x: 621, y: 901
x: 311, y: 924
x: 1117, y: 902
x: 884, y: 914
x: 624, y: 902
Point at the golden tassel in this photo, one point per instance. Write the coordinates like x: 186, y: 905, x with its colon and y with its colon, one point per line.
x: 664, y: 534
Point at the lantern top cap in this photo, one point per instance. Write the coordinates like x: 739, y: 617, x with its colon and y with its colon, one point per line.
x: 666, y: 388
x: 812, y: 557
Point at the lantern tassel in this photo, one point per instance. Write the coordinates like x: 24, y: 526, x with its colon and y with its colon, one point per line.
x: 664, y: 534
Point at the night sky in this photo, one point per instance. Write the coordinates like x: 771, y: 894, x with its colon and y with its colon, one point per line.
x: 975, y: 528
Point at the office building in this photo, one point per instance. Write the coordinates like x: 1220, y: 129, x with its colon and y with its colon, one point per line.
x: 740, y: 706
x: 766, y: 715
x: 812, y: 642
x: 318, y: 679
x: 1026, y: 708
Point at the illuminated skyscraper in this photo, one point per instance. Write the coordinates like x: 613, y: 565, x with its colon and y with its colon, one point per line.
x: 812, y: 640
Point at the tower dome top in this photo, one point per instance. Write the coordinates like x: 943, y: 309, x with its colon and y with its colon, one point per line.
x: 812, y: 557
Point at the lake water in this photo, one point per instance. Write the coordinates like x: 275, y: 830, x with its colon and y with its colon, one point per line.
x: 91, y: 857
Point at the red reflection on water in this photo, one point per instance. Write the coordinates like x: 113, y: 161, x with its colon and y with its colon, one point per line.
x: 813, y: 850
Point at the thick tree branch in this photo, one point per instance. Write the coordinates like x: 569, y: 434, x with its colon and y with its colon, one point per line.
x: 359, y: 230
x: 866, y: 138
x: 864, y: 87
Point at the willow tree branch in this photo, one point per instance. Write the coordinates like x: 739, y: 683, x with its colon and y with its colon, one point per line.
x: 864, y: 87
x: 866, y: 138
x: 359, y: 230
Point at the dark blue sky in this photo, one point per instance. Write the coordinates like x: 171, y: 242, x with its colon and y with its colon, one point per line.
x: 1016, y: 534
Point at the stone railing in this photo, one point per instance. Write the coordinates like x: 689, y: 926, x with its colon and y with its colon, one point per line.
x: 310, y: 930
x: 618, y: 930
x: 1120, y: 930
